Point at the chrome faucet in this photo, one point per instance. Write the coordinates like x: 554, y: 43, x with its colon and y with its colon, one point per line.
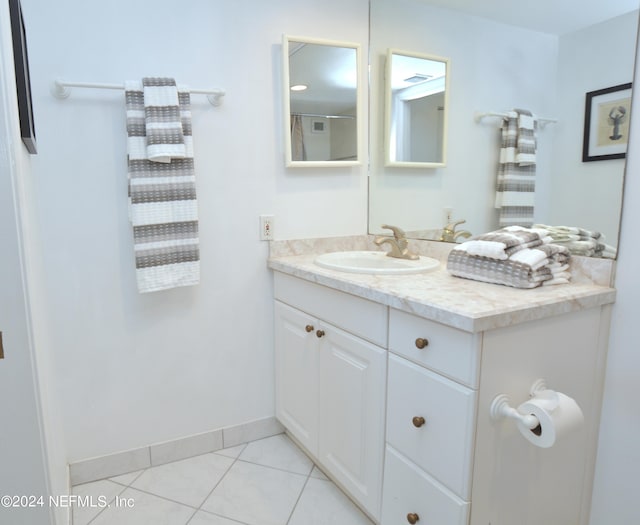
x: 449, y: 233
x: 398, y: 243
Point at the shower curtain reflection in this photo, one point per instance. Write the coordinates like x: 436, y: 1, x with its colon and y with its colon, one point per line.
x: 298, y: 151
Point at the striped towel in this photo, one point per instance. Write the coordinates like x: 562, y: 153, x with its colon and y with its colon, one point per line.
x: 508, y: 272
x: 502, y: 243
x: 548, y: 264
x: 165, y: 136
x: 515, y: 188
x: 162, y: 202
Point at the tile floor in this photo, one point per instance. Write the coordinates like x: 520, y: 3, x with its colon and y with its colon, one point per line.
x: 265, y: 482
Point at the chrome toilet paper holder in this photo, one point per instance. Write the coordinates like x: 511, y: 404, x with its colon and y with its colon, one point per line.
x: 500, y: 407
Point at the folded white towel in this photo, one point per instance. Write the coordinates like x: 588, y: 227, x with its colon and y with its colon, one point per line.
x: 556, y: 267
x: 534, y: 258
x: 491, y: 249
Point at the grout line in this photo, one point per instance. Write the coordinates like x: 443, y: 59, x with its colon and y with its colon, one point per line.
x: 110, y: 501
x: 295, y: 505
x: 220, y: 516
x: 131, y: 482
x: 277, y: 468
x: 191, y: 518
x: 219, y: 481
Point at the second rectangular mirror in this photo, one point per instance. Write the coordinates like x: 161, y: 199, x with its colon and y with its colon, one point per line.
x: 416, y: 110
x: 322, y: 102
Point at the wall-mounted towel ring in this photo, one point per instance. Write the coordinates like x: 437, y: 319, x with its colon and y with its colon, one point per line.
x: 62, y: 89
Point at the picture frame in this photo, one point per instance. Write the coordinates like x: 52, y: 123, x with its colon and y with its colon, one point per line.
x: 606, y: 123
x: 23, y: 81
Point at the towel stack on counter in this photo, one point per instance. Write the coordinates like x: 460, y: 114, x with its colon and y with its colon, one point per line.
x: 579, y: 241
x: 512, y: 256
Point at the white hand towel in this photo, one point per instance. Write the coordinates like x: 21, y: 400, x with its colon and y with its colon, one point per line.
x: 491, y: 249
x: 534, y: 258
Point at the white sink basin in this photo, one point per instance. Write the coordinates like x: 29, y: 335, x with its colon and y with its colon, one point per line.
x: 374, y: 262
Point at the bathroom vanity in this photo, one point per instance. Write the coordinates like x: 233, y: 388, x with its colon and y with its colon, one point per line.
x: 387, y: 382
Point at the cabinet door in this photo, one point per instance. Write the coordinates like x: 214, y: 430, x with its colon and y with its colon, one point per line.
x: 352, y: 401
x: 296, y: 369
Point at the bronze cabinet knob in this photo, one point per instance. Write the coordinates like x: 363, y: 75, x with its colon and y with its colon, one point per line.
x: 413, y: 518
x: 422, y: 343
x: 309, y: 328
x: 418, y: 421
x: 319, y: 333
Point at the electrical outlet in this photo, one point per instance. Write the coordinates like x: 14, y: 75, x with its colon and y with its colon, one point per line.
x: 266, y: 227
x: 448, y: 215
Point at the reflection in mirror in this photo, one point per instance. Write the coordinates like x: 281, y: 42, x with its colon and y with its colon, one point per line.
x: 545, y: 61
x: 321, y: 101
x: 416, y: 109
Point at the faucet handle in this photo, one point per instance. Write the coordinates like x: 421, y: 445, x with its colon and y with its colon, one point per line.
x: 398, y: 233
x: 452, y: 225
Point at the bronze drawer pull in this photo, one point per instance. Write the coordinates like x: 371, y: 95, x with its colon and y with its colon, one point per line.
x: 319, y: 333
x: 413, y: 518
x: 418, y: 421
x: 422, y: 343
x: 309, y: 328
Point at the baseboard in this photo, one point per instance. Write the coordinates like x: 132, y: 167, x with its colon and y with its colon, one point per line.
x: 120, y: 463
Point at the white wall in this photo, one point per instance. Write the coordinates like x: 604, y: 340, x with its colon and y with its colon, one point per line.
x: 31, y: 452
x: 493, y: 67
x: 136, y: 369
x: 586, y: 65
x: 615, y: 493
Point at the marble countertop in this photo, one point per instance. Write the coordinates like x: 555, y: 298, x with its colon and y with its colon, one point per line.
x: 461, y: 303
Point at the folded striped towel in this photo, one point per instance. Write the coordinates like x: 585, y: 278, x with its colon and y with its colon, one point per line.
x: 502, y: 243
x: 518, y: 265
x: 507, y: 272
x: 165, y: 137
x: 162, y: 202
x: 516, y: 183
x: 579, y: 241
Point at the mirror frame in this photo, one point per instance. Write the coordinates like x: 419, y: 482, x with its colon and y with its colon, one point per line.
x: 389, y: 104
x: 360, y: 105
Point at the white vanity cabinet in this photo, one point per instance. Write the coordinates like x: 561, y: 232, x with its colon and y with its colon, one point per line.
x: 457, y: 466
x: 382, y: 387
x: 330, y: 382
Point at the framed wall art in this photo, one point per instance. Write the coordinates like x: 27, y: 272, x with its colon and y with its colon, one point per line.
x: 606, y: 123
x: 23, y: 83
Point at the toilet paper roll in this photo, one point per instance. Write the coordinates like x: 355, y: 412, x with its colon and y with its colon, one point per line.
x: 557, y: 413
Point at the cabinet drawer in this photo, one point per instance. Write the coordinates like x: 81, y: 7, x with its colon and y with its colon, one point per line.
x: 449, y: 351
x: 442, y: 445
x: 409, y: 490
x: 354, y: 314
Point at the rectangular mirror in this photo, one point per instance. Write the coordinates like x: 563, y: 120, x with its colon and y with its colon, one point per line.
x: 322, y: 102
x: 416, y: 109
x: 546, y: 57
